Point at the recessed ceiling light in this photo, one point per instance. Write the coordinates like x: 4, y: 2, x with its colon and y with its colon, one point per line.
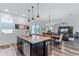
x: 6, y: 10
x: 23, y: 14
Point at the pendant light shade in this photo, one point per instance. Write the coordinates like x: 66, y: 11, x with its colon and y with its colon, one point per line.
x: 28, y: 15
x: 32, y: 12
x: 49, y: 18
x: 38, y: 11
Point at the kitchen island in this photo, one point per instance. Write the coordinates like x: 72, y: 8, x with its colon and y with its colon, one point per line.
x: 34, y: 45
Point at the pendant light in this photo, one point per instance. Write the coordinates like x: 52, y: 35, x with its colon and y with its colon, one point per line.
x: 38, y: 11
x: 49, y: 26
x: 28, y: 15
x: 49, y: 21
x: 32, y: 12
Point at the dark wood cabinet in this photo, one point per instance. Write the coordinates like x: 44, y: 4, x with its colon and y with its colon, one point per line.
x: 29, y: 49
x: 67, y: 32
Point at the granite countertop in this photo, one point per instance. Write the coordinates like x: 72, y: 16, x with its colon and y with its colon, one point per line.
x: 34, y: 39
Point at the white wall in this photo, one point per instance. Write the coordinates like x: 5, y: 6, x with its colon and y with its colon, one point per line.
x: 11, y: 38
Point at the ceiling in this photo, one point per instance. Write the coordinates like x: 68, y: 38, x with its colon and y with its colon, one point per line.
x: 57, y: 11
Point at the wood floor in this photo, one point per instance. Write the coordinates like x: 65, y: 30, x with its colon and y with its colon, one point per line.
x: 70, y: 48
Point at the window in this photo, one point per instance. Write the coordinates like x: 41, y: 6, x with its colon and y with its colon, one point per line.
x: 36, y: 27
x: 7, y: 24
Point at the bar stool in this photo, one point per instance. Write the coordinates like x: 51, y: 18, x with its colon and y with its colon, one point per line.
x: 57, y: 42
x: 58, y: 45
